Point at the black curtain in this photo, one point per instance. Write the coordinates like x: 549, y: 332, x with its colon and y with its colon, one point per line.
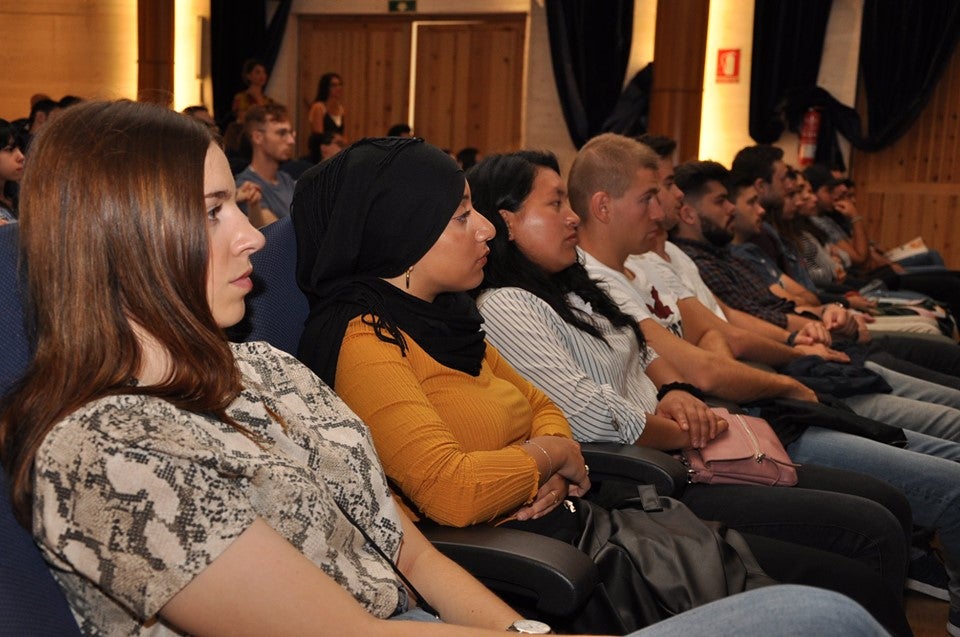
x: 787, y: 46
x: 239, y: 31
x: 590, y: 49
x: 631, y: 114
x: 904, y: 48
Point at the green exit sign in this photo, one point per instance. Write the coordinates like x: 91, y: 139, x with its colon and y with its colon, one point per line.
x: 402, y: 6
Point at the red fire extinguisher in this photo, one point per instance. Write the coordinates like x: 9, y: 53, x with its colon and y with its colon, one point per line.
x: 808, y: 136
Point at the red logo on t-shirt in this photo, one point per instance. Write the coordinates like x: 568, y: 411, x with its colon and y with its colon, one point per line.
x: 658, y: 309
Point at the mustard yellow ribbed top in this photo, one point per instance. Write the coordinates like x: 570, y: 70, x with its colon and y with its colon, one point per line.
x: 450, y: 441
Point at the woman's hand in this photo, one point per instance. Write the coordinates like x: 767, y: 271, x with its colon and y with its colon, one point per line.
x: 692, y: 415
x: 564, y: 458
x: 549, y: 497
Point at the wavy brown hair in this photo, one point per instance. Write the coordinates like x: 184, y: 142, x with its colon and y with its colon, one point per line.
x: 113, y: 234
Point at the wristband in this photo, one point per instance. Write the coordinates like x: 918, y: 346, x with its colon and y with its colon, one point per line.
x: 693, y: 390
x: 792, y: 338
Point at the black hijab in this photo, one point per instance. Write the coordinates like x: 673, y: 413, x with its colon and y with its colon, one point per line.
x: 369, y: 213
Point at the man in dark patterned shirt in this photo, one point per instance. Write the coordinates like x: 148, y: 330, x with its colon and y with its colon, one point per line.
x: 704, y: 234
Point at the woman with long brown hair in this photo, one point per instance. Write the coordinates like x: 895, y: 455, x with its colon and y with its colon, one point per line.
x: 169, y: 477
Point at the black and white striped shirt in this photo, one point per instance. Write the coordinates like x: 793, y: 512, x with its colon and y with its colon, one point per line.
x: 601, y: 387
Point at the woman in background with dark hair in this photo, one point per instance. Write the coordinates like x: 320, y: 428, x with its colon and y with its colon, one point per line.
x: 326, y: 111
x: 255, y: 78
x: 11, y: 170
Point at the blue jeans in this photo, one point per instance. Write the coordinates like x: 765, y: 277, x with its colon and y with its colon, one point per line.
x: 416, y: 614
x: 927, y: 471
x: 914, y: 404
x: 787, y: 611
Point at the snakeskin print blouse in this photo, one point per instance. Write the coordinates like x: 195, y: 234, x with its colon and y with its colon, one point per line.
x: 135, y: 497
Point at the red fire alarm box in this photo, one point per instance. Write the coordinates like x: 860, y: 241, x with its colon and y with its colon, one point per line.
x: 728, y: 66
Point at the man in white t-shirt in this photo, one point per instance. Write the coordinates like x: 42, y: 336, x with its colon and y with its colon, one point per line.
x: 648, y: 288
x: 615, y: 225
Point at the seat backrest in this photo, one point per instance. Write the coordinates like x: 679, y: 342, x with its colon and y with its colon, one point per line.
x: 16, y: 351
x: 276, y: 308
x: 31, y: 602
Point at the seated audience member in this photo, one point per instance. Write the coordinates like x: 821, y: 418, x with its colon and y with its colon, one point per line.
x: 914, y: 403
x: 181, y: 484
x: 594, y: 363
x: 323, y: 146
x: 40, y: 112
x: 11, y: 170
x: 748, y: 224
x: 255, y: 76
x: 272, y: 139
x: 400, y: 130
x: 201, y: 113
x: 843, y: 227
x: 468, y: 157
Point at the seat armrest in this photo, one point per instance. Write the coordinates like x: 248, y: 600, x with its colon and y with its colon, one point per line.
x: 636, y: 464
x: 557, y: 577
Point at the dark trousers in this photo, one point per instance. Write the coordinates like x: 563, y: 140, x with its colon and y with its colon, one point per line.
x: 916, y: 356
x: 835, y: 529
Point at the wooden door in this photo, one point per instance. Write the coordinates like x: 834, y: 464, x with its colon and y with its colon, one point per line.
x: 469, y: 83
x: 372, y: 55
x: 467, y: 88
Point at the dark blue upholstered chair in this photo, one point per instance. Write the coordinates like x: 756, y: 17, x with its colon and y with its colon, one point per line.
x: 31, y: 602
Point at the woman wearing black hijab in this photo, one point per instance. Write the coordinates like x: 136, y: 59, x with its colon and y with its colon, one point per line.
x: 388, y: 243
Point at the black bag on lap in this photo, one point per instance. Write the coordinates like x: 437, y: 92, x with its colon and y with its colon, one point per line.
x: 655, y: 557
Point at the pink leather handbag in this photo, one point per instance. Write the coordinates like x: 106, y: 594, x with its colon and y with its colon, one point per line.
x: 748, y: 452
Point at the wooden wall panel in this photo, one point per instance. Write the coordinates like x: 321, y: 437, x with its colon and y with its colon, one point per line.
x: 469, y: 79
x: 63, y: 47
x: 372, y: 56
x: 155, y: 51
x: 913, y: 187
x: 680, y: 48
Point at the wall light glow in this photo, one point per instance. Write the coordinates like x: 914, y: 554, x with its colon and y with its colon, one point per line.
x: 188, y: 88
x: 724, y: 118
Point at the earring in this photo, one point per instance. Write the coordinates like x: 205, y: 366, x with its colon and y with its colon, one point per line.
x: 409, y: 270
